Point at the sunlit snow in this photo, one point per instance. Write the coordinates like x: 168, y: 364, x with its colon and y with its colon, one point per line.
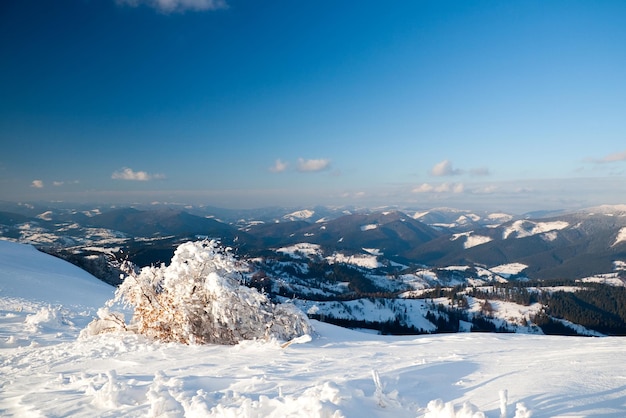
x: 471, y: 240
x: 300, y: 214
x: 500, y: 217
x: 300, y: 250
x: 368, y: 227
x: 361, y: 260
x: 510, y: 269
x: 525, y: 228
x: 621, y: 236
x: 45, y: 370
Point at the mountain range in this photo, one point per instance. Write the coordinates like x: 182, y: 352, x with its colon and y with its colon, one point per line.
x: 565, y: 246
x: 328, y: 259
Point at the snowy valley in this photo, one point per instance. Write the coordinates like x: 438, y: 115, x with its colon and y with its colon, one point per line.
x: 388, y: 270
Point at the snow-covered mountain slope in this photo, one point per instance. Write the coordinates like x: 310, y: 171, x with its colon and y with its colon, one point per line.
x: 460, y: 220
x: 525, y: 228
x: 29, y: 274
x: 299, y: 215
x: 46, y: 370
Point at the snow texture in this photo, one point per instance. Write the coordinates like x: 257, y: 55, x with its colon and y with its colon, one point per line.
x: 471, y: 240
x: 621, y: 236
x: 301, y: 250
x: 299, y: 215
x: 525, y: 228
x: 368, y: 227
x: 507, y: 270
x: 361, y: 260
x: 45, y: 370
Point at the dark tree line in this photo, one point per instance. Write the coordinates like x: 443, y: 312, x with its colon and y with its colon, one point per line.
x: 598, y: 307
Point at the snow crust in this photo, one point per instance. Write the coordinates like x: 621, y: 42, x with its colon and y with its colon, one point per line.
x: 45, y: 370
x: 299, y: 215
x: 611, y: 279
x: 368, y: 227
x: 301, y: 250
x: 609, y: 210
x: 507, y: 270
x: 362, y: 260
x: 29, y: 274
x: 500, y: 217
x: 471, y: 240
x: 621, y: 236
x: 525, y: 228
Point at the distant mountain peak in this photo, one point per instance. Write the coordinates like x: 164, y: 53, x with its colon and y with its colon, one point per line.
x: 607, y: 210
x: 299, y: 215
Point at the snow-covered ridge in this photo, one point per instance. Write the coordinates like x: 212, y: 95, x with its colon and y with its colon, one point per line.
x: 471, y: 240
x: 418, y: 215
x: 526, y: 228
x: 500, y: 217
x: 308, y: 250
x: 368, y: 227
x: 621, y: 236
x: 46, y: 216
x: 361, y: 260
x: 299, y: 215
x: 607, y: 210
x: 507, y: 270
x: 301, y: 249
x: 29, y: 274
x: 467, y: 218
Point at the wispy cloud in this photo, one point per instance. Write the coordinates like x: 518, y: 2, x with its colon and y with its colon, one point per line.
x: 279, y: 166
x: 445, y: 168
x: 169, y: 6
x: 489, y: 189
x: 313, y: 165
x: 37, y: 184
x: 131, y: 175
x: 440, y: 188
x: 611, y: 158
x: 480, y: 171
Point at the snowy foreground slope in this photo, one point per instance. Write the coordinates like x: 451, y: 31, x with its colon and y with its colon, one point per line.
x: 46, y: 370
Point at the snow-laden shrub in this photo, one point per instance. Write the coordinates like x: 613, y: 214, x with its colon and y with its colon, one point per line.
x: 198, y: 299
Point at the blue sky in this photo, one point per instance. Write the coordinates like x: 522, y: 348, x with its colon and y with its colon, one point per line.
x: 498, y: 105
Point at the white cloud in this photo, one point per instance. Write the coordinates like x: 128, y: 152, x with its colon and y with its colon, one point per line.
x: 444, y: 168
x: 129, y: 174
x: 279, y: 166
x: 37, y: 184
x: 440, y: 188
x: 58, y: 183
x: 458, y: 188
x: 313, y: 165
x: 423, y: 188
x: 490, y: 189
x: 168, y: 6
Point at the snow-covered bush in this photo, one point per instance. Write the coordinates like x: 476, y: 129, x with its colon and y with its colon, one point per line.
x: 198, y: 299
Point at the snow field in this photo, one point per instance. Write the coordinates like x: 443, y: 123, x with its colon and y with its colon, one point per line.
x: 340, y: 373
x: 471, y: 240
x: 47, y: 370
x: 621, y: 236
